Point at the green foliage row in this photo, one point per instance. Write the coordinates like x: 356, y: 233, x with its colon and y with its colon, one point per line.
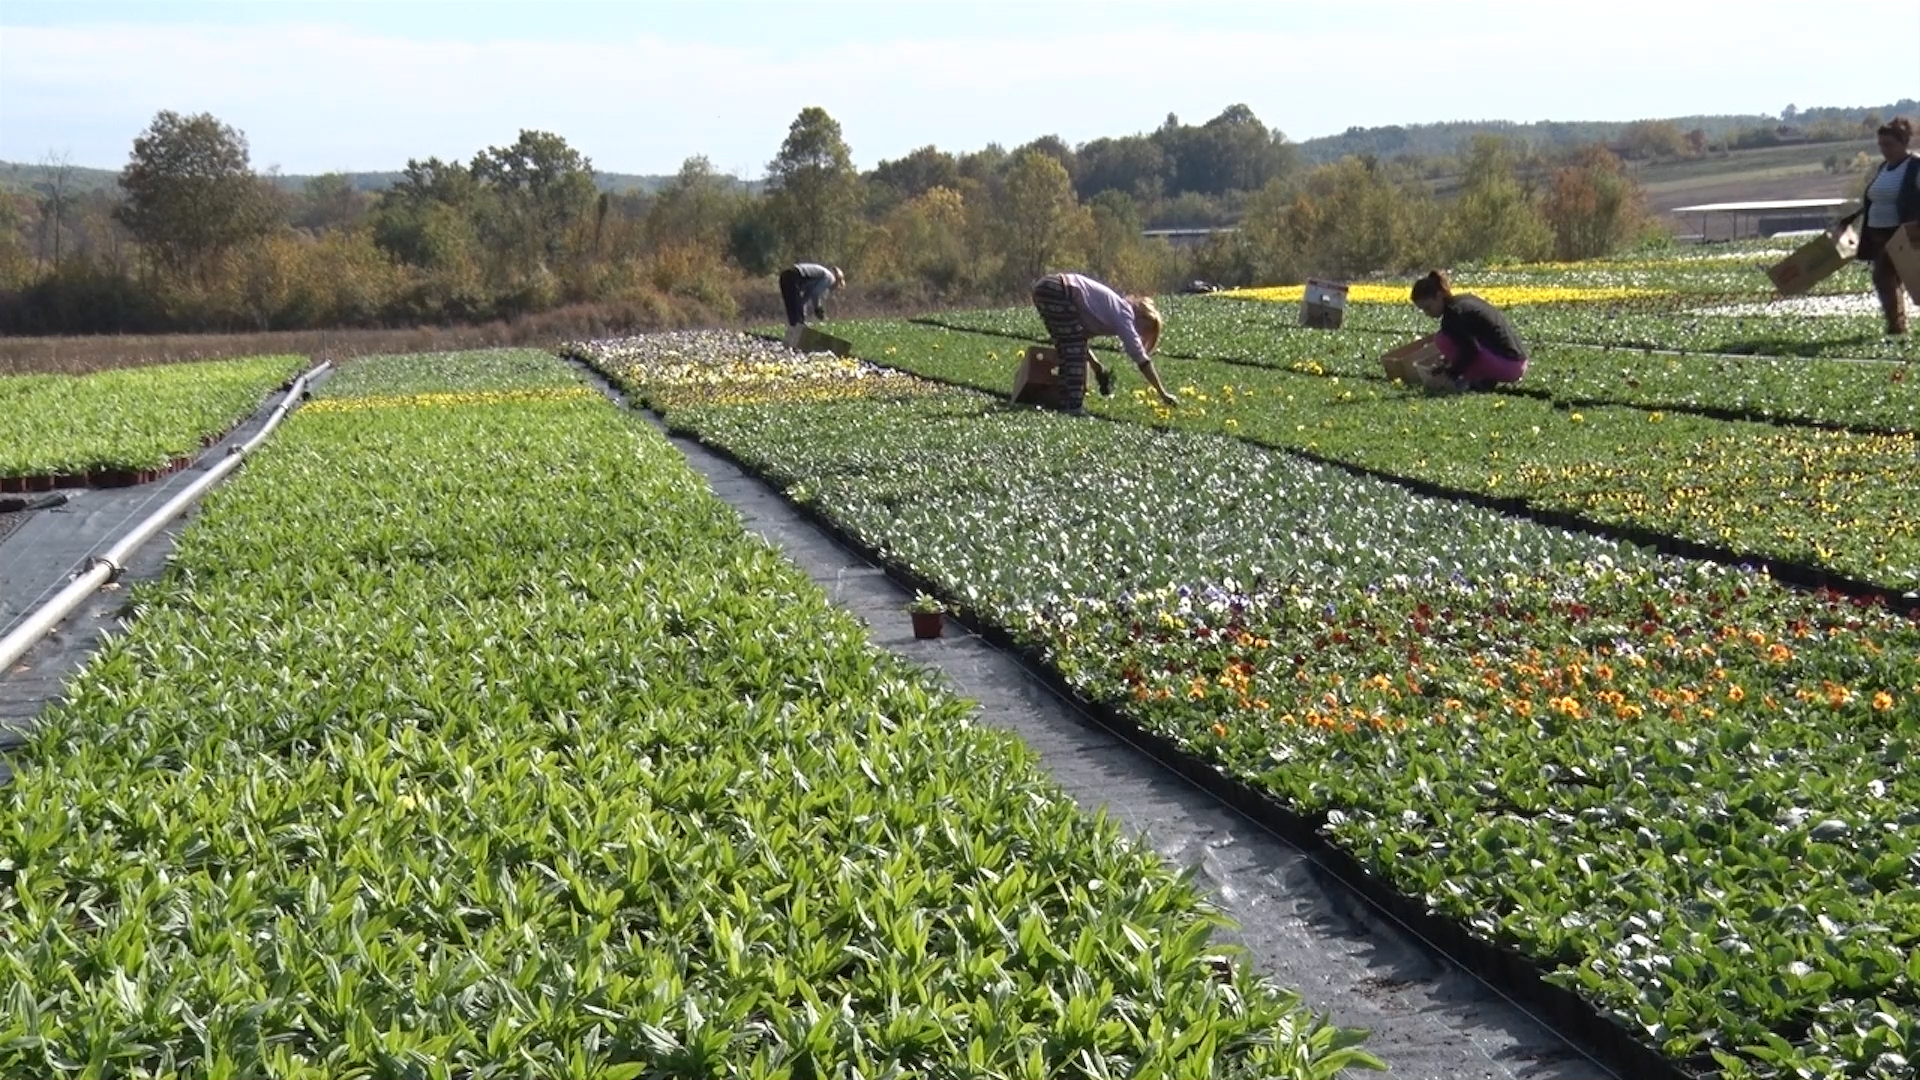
x: 1574, y: 363
x: 1829, y: 499
x: 133, y: 419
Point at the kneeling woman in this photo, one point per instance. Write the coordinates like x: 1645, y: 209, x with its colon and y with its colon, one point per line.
x: 1478, y: 343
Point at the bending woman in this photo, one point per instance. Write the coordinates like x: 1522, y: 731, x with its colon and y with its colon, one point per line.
x: 1478, y: 343
x: 806, y: 285
x: 1075, y: 307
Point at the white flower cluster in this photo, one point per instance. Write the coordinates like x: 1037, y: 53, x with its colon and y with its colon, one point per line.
x: 1800, y: 307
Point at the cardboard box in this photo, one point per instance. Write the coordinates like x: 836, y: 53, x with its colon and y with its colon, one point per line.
x: 1323, y: 306
x: 807, y: 339
x: 1814, y: 262
x: 1406, y: 362
x: 1037, y: 380
x: 1903, y: 248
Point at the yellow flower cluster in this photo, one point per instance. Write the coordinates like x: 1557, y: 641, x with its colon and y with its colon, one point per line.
x: 446, y: 400
x: 1497, y: 295
x: 793, y: 392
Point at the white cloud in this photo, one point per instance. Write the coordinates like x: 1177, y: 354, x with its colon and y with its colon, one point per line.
x: 312, y: 97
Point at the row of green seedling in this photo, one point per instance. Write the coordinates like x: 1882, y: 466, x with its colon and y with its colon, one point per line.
x: 130, y: 420
x: 1814, y: 501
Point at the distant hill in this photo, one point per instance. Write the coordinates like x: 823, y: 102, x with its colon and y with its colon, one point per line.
x: 1446, y: 139
x: 17, y: 176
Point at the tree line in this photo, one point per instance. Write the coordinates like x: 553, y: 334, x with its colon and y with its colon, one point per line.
x: 194, y: 239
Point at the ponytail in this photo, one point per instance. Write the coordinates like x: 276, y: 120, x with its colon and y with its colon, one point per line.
x: 1434, y: 284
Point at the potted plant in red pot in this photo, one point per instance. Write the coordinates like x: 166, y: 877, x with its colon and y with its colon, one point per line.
x: 929, y: 616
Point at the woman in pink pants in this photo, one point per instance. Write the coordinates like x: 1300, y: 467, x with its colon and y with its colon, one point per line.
x: 1479, y: 345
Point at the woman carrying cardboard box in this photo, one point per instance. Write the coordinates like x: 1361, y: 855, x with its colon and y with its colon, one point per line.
x: 1074, y: 308
x: 1891, y: 202
x: 1478, y: 345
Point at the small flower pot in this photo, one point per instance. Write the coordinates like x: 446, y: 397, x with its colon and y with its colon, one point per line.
x: 12, y: 485
x: 39, y: 483
x: 928, y: 624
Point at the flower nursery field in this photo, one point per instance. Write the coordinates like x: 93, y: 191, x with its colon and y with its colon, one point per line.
x: 1681, y: 789
x: 469, y: 735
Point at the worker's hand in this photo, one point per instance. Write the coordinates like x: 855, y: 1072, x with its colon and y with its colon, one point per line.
x: 1168, y: 399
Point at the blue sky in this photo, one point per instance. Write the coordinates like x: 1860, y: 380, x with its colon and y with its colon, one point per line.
x: 639, y: 87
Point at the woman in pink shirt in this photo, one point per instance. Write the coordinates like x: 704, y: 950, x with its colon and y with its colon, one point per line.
x: 1074, y: 308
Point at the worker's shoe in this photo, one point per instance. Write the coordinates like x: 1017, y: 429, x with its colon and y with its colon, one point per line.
x: 1105, y: 379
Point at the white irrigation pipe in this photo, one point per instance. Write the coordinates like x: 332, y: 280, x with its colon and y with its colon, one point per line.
x: 104, y: 568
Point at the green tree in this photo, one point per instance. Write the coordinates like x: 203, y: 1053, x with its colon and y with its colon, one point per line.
x: 1054, y: 147
x: 1231, y: 152
x: 330, y: 202
x: 1119, y: 254
x: 894, y: 182
x: 754, y: 242
x: 1042, y: 225
x: 191, y: 195
x: 426, y: 219
x: 1493, y: 217
x: 1134, y: 164
x: 814, y: 187
x: 1349, y: 218
x: 1593, y: 206
x: 543, y: 192
x: 693, y: 210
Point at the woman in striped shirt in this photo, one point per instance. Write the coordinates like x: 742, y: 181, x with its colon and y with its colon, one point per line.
x: 1075, y: 307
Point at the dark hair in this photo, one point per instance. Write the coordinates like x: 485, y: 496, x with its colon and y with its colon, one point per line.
x: 1900, y: 128
x: 1434, y: 284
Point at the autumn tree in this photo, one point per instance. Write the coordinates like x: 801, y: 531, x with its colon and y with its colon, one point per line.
x: 16, y: 265
x: 1653, y: 139
x: 814, y: 187
x: 1593, y: 206
x: 191, y: 195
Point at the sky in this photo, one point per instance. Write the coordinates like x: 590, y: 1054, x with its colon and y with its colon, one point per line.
x: 641, y: 87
